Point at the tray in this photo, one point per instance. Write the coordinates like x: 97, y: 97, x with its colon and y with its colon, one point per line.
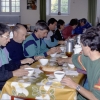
x: 48, y: 72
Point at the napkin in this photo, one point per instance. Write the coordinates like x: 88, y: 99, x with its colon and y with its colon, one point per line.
x: 75, y: 73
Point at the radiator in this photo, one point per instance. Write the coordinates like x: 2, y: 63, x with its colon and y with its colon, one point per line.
x: 10, y: 19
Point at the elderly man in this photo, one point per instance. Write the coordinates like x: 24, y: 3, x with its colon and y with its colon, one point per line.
x: 89, y: 61
x: 8, y: 68
x: 34, y: 45
x: 15, y: 48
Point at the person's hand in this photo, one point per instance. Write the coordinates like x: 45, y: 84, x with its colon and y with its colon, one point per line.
x: 38, y: 57
x: 69, y: 82
x: 58, y: 50
x: 20, y: 72
x: 54, y: 50
x: 27, y: 60
x: 25, y: 66
x: 61, y: 42
x: 68, y: 38
x: 60, y: 61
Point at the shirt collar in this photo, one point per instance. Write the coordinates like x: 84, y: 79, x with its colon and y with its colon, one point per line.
x: 34, y: 36
x: 1, y: 47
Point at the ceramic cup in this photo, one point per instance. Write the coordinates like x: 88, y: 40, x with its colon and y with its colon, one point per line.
x: 59, y: 75
x: 43, y: 61
x: 30, y: 71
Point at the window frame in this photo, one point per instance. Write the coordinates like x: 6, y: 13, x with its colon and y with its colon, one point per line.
x: 9, y: 13
x: 59, y: 8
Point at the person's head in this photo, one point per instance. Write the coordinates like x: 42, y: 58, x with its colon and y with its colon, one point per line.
x: 19, y: 33
x: 98, y: 24
x: 90, y: 40
x: 39, y: 21
x: 73, y: 23
x: 23, y: 25
x: 83, y: 21
x: 41, y: 29
x: 4, y: 34
x: 60, y: 24
x: 52, y: 23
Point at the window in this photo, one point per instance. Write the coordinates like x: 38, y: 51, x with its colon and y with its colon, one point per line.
x: 9, y: 6
x: 59, y: 7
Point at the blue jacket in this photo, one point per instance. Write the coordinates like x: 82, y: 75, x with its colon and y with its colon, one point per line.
x: 79, y: 29
x: 33, y: 46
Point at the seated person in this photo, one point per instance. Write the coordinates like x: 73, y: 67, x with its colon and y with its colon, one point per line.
x: 15, y: 48
x: 8, y: 68
x: 83, y: 25
x: 89, y: 61
x: 98, y: 24
x: 50, y: 40
x: 58, y: 32
x: 34, y: 45
x: 67, y: 31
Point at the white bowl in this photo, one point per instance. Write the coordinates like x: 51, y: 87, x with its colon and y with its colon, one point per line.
x: 53, y: 55
x: 30, y: 71
x: 71, y: 65
x: 62, y: 48
x: 59, y: 75
x: 43, y: 61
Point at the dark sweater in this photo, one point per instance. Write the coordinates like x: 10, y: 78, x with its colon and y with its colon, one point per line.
x: 6, y: 72
x: 15, y: 51
x: 58, y: 35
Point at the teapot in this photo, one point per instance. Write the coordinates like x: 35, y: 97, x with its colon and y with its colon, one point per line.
x: 69, y: 47
x: 77, y: 49
x: 78, y: 39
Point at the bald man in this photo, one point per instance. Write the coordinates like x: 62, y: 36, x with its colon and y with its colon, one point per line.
x: 15, y: 48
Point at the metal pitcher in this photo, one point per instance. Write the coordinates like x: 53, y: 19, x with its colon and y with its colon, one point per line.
x: 69, y: 48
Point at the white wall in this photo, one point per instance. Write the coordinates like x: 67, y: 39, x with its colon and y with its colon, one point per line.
x: 78, y: 9
x: 29, y: 16
x: 98, y: 12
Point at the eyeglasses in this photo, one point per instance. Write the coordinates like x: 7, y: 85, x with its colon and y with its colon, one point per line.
x: 7, y: 37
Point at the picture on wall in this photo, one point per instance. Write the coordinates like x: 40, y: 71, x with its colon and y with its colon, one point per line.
x: 31, y: 4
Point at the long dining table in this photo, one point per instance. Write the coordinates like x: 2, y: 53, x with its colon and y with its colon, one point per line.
x: 36, y: 87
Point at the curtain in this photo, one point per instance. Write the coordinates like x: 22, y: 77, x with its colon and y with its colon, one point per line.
x: 43, y: 10
x: 92, y: 7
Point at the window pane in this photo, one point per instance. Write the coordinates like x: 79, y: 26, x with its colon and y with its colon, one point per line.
x: 54, y: 6
x: 13, y: 4
x: 3, y: 9
x: 64, y: 6
x: 53, y: 2
x: 17, y: 4
x: 7, y: 3
x: 54, y: 9
x: 13, y: 0
x: 64, y: 2
x: 13, y: 9
x: 7, y: 9
x: 2, y: 0
x: 17, y: 0
x: 3, y: 4
x: 17, y: 9
x: 7, y: 0
x: 64, y: 9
